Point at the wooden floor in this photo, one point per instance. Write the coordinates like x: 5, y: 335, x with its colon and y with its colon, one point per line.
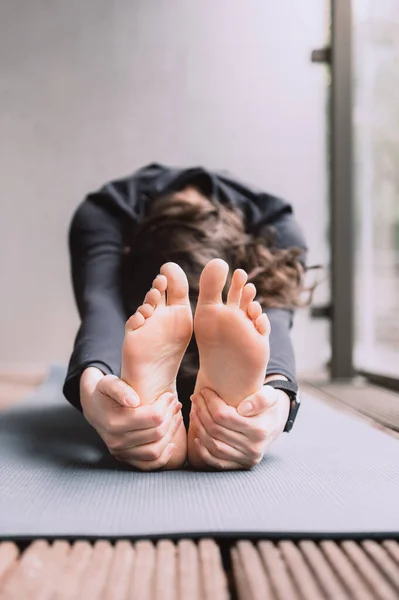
x: 16, y: 383
x: 380, y: 406
x: 204, y: 569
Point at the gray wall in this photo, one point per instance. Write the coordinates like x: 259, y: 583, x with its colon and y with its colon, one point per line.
x: 92, y: 90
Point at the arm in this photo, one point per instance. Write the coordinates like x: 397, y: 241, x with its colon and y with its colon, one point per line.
x: 96, y: 249
x: 286, y: 234
x: 282, y: 358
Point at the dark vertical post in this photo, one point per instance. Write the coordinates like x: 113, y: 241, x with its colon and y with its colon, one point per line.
x: 342, y: 209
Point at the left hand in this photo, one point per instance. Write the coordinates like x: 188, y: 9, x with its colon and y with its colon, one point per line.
x: 228, y: 440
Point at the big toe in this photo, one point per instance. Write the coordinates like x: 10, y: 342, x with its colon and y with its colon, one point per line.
x: 177, y: 290
x: 212, y: 281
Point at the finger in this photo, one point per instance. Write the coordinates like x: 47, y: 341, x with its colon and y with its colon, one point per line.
x: 154, y: 450
x: 151, y: 415
x: 223, y: 414
x: 212, y: 461
x: 118, y: 443
x: 152, y: 434
x: 116, y: 420
x: 118, y: 390
x: 201, y: 413
x: 149, y: 465
x: 258, y: 403
x: 220, y: 449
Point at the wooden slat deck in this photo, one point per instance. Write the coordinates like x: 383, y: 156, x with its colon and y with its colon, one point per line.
x: 169, y: 570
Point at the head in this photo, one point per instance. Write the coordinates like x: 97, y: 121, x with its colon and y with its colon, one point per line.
x: 190, y: 229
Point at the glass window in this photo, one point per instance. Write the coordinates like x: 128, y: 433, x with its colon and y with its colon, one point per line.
x: 376, y: 181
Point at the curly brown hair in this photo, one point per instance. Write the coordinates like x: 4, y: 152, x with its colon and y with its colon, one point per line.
x: 192, y: 233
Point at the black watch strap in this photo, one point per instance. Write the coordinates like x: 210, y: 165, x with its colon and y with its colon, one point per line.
x: 291, y: 389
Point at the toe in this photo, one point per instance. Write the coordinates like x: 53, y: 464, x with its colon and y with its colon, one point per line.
x: 160, y: 284
x: 254, y: 310
x: 262, y: 324
x: 212, y: 281
x: 238, y: 281
x: 135, y: 321
x: 152, y: 297
x: 247, y: 296
x: 177, y: 290
x: 146, y: 310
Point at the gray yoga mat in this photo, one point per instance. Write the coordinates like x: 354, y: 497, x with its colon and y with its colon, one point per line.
x: 333, y: 475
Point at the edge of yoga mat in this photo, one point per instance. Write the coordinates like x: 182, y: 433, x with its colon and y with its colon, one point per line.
x: 245, y: 520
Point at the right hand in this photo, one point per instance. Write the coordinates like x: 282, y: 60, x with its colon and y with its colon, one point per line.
x: 139, y: 435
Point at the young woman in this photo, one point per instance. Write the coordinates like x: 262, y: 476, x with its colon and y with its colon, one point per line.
x: 186, y: 282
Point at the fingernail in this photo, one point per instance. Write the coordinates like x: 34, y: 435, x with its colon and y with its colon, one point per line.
x: 246, y: 409
x: 132, y: 400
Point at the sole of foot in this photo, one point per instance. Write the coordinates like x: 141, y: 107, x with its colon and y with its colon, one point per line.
x: 232, y: 338
x: 156, y: 338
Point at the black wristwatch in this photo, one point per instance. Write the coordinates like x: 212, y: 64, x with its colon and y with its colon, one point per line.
x: 290, y: 388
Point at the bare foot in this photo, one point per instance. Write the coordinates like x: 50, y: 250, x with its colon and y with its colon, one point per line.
x: 156, y: 339
x: 232, y: 338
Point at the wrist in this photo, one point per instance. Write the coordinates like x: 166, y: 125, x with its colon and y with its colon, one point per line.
x: 283, y: 397
x: 292, y: 404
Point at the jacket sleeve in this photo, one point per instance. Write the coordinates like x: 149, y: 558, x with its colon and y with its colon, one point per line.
x: 96, y: 251
x: 287, y: 234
